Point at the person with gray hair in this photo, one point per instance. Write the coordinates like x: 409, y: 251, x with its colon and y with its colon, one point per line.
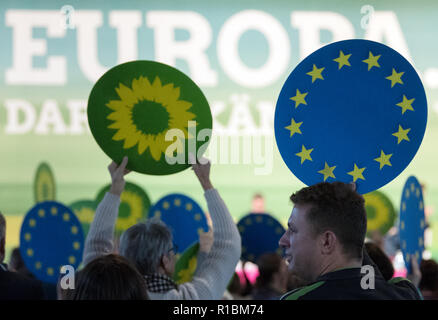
x: 14, y: 286
x: 148, y: 245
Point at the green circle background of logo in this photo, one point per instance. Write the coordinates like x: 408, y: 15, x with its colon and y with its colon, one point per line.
x: 381, y: 214
x: 104, y: 91
x: 185, y: 266
x: 133, y: 208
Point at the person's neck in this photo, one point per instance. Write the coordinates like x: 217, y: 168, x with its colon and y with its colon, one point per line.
x: 339, y: 264
x: 162, y: 271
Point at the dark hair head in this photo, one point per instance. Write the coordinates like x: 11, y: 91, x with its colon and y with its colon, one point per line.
x: 234, y: 285
x: 429, y: 275
x: 110, y: 277
x: 2, y: 226
x: 338, y: 208
x: 269, y: 264
x: 380, y: 259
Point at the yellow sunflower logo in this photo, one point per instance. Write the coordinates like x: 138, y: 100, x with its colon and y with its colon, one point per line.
x: 131, y: 210
x: 145, y: 112
x: 85, y: 215
x: 186, y: 275
x: 377, y: 212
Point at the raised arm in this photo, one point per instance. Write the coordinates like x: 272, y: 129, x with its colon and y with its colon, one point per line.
x: 99, y: 240
x: 212, y: 277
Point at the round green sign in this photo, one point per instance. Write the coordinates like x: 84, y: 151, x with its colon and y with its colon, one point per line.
x: 134, y: 206
x: 152, y: 113
x: 185, y: 267
x: 381, y: 214
x: 84, y: 210
x: 44, y: 187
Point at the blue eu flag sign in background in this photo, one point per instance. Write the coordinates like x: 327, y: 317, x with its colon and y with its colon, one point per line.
x: 412, y: 222
x: 184, y: 217
x: 352, y: 111
x: 51, y: 236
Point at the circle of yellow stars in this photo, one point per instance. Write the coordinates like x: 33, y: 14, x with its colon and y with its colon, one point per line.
x: 33, y: 254
x: 401, y: 133
x: 179, y: 203
x: 255, y: 219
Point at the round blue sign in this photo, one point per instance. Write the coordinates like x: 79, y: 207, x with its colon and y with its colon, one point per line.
x: 183, y: 216
x: 412, y: 222
x: 51, y: 236
x: 352, y: 111
x: 260, y: 234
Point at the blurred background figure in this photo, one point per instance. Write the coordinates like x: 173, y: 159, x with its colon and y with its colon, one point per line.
x: 429, y: 279
x: 258, y: 203
x: 272, y: 281
x: 16, y: 264
x: 14, y: 286
x: 382, y: 261
x: 234, y: 289
x: 109, y: 277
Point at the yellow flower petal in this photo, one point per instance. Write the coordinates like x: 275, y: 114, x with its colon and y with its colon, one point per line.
x: 126, y: 95
x: 156, y: 85
x: 116, y: 105
x: 130, y: 141
x: 121, y: 134
x: 121, y: 116
x: 172, y: 93
x: 143, y: 143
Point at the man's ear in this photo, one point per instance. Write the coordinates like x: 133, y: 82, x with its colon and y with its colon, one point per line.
x: 328, y: 242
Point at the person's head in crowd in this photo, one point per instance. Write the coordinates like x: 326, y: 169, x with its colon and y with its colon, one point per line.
x: 377, y: 238
x: 429, y: 279
x: 16, y: 263
x: 2, y: 237
x: 235, y: 287
x: 326, y: 230
x: 273, y: 273
x: 380, y: 259
x: 148, y: 245
x: 109, y: 277
x: 258, y: 203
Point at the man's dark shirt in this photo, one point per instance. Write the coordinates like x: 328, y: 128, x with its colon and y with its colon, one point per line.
x: 345, y: 284
x: 14, y: 286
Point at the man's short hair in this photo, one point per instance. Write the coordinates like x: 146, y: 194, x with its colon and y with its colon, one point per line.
x: 336, y: 207
x: 2, y: 227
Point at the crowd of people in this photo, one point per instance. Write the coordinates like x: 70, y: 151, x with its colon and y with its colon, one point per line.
x: 324, y: 245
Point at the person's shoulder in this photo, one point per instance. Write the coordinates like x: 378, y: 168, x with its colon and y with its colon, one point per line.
x: 16, y: 286
x: 303, y: 292
x: 405, y: 288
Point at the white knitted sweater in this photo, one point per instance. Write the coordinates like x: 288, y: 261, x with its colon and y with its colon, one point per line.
x: 210, y: 280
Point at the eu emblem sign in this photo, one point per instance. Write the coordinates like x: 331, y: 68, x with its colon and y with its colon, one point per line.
x: 184, y: 217
x: 51, y: 236
x: 412, y: 222
x: 352, y: 111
